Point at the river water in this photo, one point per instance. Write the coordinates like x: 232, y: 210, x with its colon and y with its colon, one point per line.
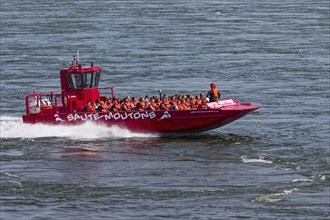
x: 271, y: 164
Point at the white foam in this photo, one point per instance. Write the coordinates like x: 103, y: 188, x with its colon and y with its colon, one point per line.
x: 302, y: 180
x: 16, y: 183
x: 13, y: 127
x: 13, y: 180
x: 10, y: 175
x: 245, y: 159
x: 312, y: 178
x: 274, y: 197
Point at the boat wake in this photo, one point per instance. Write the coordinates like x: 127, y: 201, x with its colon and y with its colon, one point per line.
x: 13, y: 127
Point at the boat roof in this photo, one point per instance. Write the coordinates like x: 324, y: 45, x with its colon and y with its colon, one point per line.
x: 79, y: 69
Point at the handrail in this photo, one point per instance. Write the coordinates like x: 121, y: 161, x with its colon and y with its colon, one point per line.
x: 111, y: 88
x: 55, y: 91
x: 44, y: 93
x: 52, y: 99
x: 38, y: 98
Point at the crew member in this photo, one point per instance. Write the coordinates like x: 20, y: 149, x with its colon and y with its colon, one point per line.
x: 213, y: 93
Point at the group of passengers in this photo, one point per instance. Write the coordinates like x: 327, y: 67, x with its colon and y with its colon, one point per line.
x: 176, y: 102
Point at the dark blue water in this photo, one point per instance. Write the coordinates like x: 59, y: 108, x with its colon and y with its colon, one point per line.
x: 272, y: 164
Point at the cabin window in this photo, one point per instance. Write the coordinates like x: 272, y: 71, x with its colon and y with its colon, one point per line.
x: 77, y: 80
x: 84, y: 80
x: 96, y: 78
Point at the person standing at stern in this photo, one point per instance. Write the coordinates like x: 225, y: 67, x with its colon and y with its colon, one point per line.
x: 213, y: 93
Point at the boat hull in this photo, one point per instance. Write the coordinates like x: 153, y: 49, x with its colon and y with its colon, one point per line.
x: 151, y: 121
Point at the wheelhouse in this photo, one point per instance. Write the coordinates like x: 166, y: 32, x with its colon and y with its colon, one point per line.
x: 82, y: 80
x: 79, y: 85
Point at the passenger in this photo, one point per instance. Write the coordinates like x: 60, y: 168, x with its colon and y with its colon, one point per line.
x: 192, y: 103
x: 115, y: 107
x: 198, y: 100
x: 139, y: 107
x: 99, y: 108
x: 126, y: 106
x: 87, y: 107
x: 102, y: 107
x: 109, y: 103
x: 174, y: 106
x: 173, y: 99
x: 129, y: 100
x: 134, y: 102
x: 202, y: 105
x: 164, y: 105
x: 182, y: 105
x: 116, y: 99
x: 152, y: 105
x: 98, y: 101
x: 142, y: 103
x: 186, y: 102
x: 178, y: 104
x: 213, y: 93
x: 146, y: 102
x: 158, y: 102
x: 93, y: 107
x: 204, y: 101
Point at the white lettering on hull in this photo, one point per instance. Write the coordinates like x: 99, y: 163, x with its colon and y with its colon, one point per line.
x: 219, y: 104
x: 106, y: 117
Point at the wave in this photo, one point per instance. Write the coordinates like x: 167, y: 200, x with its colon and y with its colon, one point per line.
x: 312, y: 178
x: 245, y: 159
x: 274, y: 197
x: 13, y: 127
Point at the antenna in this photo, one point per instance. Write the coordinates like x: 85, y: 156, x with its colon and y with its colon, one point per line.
x: 160, y: 94
x: 73, y: 61
x: 77, y: 56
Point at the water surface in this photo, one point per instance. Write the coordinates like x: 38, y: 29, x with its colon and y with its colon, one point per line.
x: 272, y: 164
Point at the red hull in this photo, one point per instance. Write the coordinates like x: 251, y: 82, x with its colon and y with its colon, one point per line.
x: 151, y: 121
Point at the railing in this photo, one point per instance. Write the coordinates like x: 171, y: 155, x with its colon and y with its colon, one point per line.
x: 107, y: 88
x: 52, y: 101
x: 37, y: 102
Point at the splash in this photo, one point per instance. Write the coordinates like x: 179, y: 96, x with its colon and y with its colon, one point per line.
x: 13, y: 127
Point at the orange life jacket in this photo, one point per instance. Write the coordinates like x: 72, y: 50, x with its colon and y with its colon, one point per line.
x: 164, y: 105
x: 215, y: 93
x: 154, y: 105
x: 90, y: 109
x: 117, y: 107
x: 133, y: 104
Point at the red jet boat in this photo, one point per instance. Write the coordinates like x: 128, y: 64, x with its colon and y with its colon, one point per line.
x: 79, y: 85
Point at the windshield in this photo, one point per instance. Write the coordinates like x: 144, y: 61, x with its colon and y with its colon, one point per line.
x: 84, y: 80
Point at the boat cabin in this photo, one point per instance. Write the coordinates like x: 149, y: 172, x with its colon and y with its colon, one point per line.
x: 79, y: 85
